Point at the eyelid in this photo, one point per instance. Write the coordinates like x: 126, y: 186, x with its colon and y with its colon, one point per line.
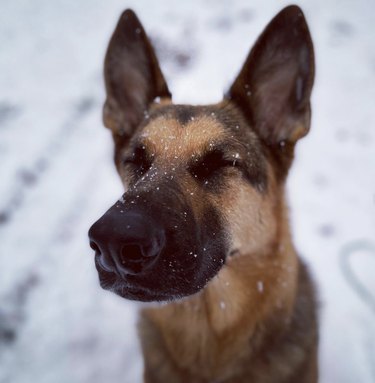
x: 139, y: 160
x: 235, y: 162
x: 131, y: 160
x: 128, y: 159
x: 219, y: 157
x: 229, y: 158
x: 213, y: 162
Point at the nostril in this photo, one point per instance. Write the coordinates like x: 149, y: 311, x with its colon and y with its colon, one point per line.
x: 131, y: 252
x: 95, y: 247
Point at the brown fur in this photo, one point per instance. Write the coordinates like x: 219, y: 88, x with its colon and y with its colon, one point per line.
x: 255, y: 321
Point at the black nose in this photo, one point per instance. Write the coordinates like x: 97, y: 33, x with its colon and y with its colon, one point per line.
x: 126, y: 242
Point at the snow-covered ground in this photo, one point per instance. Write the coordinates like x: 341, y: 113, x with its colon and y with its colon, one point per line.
x: 57, y: 177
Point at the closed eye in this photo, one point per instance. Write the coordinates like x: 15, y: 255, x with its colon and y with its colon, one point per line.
x: 212, y: 164
x: 139, y: 160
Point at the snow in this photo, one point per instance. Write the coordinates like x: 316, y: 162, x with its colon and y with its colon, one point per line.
x: 57, y: 176
x: 260, y: 286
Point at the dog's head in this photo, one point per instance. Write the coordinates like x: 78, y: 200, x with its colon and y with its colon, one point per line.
x: 203, y: 183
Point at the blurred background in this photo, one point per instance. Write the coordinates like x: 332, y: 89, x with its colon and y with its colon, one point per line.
x: 57, y: 177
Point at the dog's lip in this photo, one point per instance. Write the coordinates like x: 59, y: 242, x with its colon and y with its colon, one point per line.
x: 128, y: 287
x: 136, y: 291
x: 131, y: 287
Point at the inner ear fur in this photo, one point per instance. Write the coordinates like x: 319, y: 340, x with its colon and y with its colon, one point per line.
x: 274, y: 86
x: 133, y: 78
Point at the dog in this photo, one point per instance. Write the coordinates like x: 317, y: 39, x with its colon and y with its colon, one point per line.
x: 203, y: 224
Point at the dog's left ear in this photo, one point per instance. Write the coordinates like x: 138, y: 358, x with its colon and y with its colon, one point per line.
x: 274, y: 86
x: 133, y: 78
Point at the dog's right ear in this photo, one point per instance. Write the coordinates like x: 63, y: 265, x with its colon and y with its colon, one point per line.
x: 133, y: 78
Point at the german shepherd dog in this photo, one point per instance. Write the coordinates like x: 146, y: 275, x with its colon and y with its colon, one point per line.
x: 203, y: 224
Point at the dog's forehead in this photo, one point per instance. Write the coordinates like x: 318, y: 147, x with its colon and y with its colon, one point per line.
x: 181, y: 131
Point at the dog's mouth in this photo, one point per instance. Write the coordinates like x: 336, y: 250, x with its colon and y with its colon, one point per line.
x: 155, y: 285
x: 135, y: 289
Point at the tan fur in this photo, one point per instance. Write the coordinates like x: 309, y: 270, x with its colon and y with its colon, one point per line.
x: 176, y: 145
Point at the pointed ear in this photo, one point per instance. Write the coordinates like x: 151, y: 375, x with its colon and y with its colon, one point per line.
x: 274, y: 86
x: 133, y: 78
